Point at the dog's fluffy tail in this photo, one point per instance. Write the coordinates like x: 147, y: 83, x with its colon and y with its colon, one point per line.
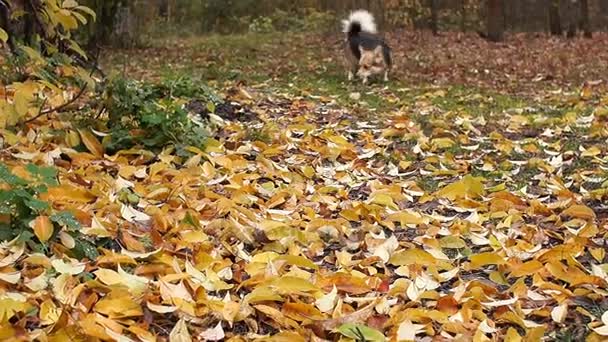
x: 359, y: 21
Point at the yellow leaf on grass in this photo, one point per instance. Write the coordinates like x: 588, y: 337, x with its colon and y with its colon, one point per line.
x: 580, y: 211
x: 489, y: 258
x: 468, y: 187
x: 43, y: 228
x: 91, y: 142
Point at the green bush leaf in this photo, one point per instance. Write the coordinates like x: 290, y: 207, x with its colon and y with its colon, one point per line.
x: 360, y: 332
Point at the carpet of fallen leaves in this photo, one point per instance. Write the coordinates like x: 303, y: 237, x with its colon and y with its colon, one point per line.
x: 340, y: 212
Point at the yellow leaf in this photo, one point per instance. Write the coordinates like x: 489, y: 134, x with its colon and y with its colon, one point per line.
x: 72, y: 267
x: 9, y: 307
x: 441, y: 143
x: 385, y: 200
x: 580, y: 211
x: 68, y: 193
x: 69, y: 3
x: 406, y: 217
x: 49, y: 313
x: 91, y: 142
x: 512, y: 335
x: 87, y: 11
x: 453, y: 242
x: 3, y: 35
x: 118, y: 305
x: 180, y: 332
x: 488, y: 258
x: 468, y: 187
x: 288, y: 285
x: 308, y: 171
x: 591, y: 152
x: 412, y: 257
x: 136, y: 284
x: 24, y: 95
x: 262, y: 294
x: 72, y: 139
x: 43, y: 228
x: 299, y: 261
x: 526, y: 269
x: 65, y: 18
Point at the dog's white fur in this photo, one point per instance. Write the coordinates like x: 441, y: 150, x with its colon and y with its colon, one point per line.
x: 366, y: 19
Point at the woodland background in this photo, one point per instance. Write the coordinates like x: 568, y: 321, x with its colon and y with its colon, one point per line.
x: 122, y: 22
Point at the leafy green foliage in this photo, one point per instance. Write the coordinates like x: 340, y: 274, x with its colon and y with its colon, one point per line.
x: 155, y: 115
x: 20, y: 206
x: 19, y: 203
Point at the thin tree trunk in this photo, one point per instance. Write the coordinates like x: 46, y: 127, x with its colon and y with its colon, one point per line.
x: 435, y: 16
x: 495, y: 20
x: 572, y: 18
x: 555, y: 25
x: 584, y: 16
x: 5, y: 24
x: 463, y: 15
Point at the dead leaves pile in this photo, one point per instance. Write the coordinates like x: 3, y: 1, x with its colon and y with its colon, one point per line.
x: 462, y: 228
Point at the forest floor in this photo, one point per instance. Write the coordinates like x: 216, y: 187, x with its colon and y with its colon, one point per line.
x: 463, y: 199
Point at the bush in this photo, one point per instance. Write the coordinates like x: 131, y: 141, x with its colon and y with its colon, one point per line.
x: 261, y: 25
x: 24, y: 216
x: 155, y: 115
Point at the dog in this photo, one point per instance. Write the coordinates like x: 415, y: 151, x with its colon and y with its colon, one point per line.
x: 367, y: 53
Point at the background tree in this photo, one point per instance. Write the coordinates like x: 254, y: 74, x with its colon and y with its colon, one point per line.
x: 495, y: 20
x: 434, y: 4
x: 555, y: 25
x: 585, y: 23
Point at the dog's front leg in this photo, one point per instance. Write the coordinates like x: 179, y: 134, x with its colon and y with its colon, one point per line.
x: 386, y: 76
x: 351, y: 75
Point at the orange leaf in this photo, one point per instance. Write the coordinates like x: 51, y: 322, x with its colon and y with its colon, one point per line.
x: 447, y: 305
x: 301, y: 311
x: 345, y: 282
x: 580, y: 211
x: 43, y: 228
x: 68, y: 193
x: 91, y: 142
x: 526, y: 269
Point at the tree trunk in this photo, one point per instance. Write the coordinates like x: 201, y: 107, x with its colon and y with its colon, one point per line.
x: 5, y: 24
x: 495, y: 20
x: 584, y: 16
x: 463, y: 15
x: 435, y: 16
x: 555, y: 25
x: 571, y: 18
